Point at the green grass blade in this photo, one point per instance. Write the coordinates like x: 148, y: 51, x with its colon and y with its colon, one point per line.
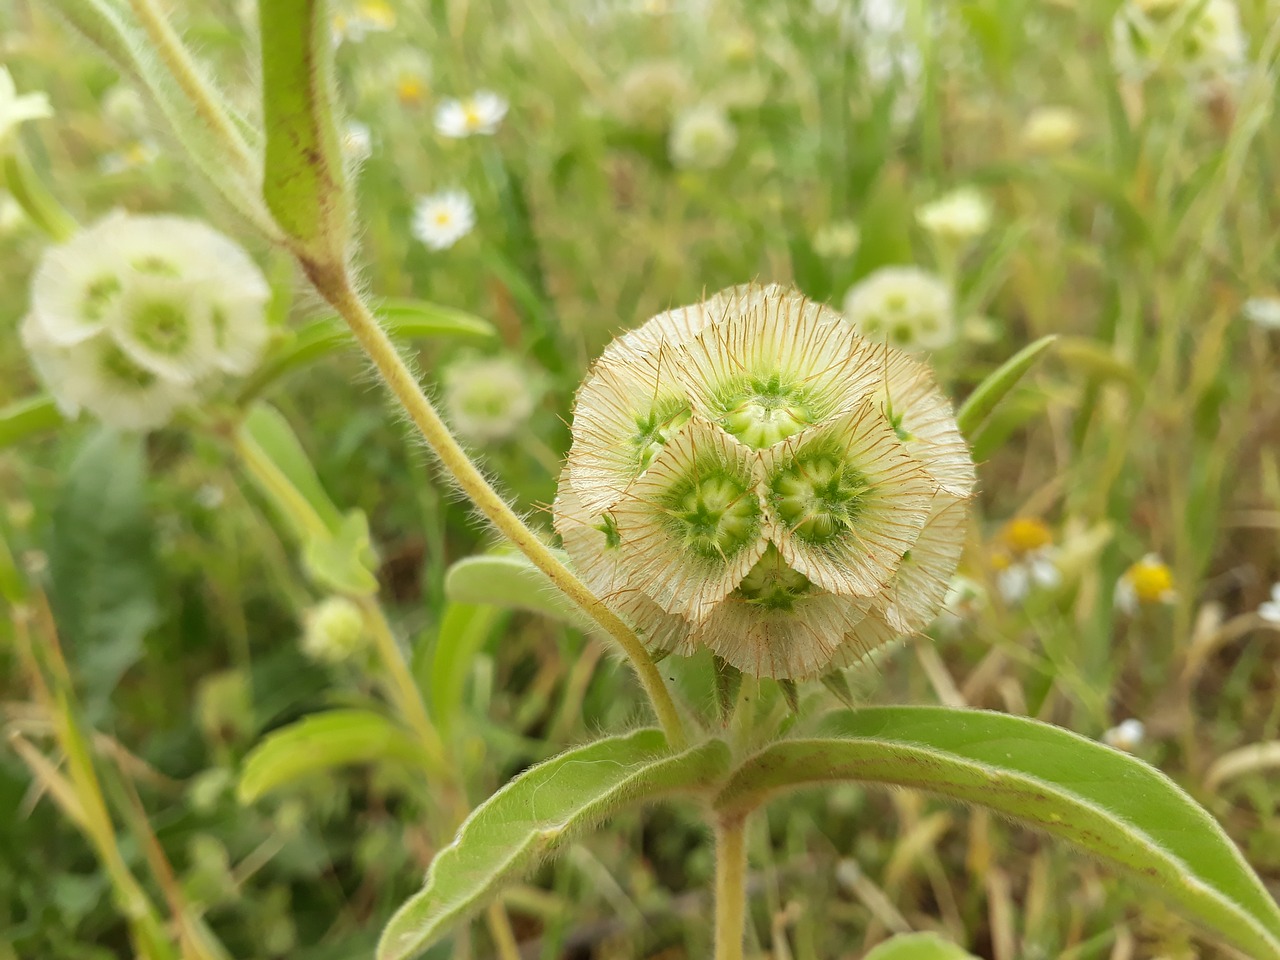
x: 975, y: 410
x: 1104, y: 801
x: 535, y: 814
x: 26, y: 417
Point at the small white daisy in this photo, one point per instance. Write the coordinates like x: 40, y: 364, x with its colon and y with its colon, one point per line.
x: 442, y: 219
x: 1126, y: 735
x: 15, y: 109
x: 1263, y: 312
x: 479, y: 113
x: 1269, y: 610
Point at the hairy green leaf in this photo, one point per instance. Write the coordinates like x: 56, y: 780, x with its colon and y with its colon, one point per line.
x: 101, y: 560
x: 303, y: 182
x: 1100, y: 799
x: 213, y: 136
x: 321, y: 742
x: 31, y: 415
x: 344, y: 560
x: 266, y: 433
x: 536, y: 813
x: 975, y: 410
x: 401, y: 319
x: 442, y: 667
x: 510, y: 580
x: 918, y: 946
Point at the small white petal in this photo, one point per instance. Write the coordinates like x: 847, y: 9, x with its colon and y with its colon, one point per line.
x: 442, y: 219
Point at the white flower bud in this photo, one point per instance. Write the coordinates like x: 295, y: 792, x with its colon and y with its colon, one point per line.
x: 1051, y: 130
x: 334, y: 631
x: 957, y: 217
x: 750, y: 475
x: 702, y: 138
x: 907, y: 307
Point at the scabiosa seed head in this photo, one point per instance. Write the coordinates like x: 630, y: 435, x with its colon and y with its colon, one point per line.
x: 907, y: 307
x: 750, y: 475
x: 1201, y: 39
x: 702, y: 138
x: 489, y: 398
x: 132, y: 316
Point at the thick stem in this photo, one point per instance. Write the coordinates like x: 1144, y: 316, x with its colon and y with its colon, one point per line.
x: 731, y: 891
x: 336, y: 288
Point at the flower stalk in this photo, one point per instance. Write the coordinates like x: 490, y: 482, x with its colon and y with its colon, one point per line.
x: 731, y: 886
x: 335, y: 286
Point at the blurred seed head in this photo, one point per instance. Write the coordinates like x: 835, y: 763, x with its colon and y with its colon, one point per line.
x: 488, y: 399
x: 1051, y: 130
x: 702, y: 138
x: 907, y: 307
x: 131, y: 317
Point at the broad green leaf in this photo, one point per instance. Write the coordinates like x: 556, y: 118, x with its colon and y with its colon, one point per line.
x: 321, y: 742
x: 918, y: 946
x: 464, y: 628
x: 510, y: 580
x: 343, y: 561
x: 401, y: 319
x: 1104, y: 801
x: 266, y: 433
x: 303, y: 177
x: 535, y: 814
x: 975, y: 410
x: 101, y: 560
x: 25, y: 417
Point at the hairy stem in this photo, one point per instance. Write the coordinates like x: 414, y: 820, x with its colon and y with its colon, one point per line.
x: 177, y: 58
x: 335, y: 286
x: 731, y: 893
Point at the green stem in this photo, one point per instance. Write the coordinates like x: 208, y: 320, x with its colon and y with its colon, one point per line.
x: 335, y: 286
x: 731, y: 890
x: 36, y: 199
x: 166, y: 42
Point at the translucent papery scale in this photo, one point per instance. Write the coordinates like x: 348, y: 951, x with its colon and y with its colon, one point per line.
x: 910, y: 601
x: 693, y: 525
x: 775, y: 367
x: 681, y: 325
x: 594, y: 552
x: 164, y: 325
x: 624, y: 414
x: 846, y: 500
x: 924, y: 420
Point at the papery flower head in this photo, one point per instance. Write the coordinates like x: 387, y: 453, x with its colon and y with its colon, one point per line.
x: 489, y: 398
x: 1202, y: 39
x: 702, y: 138
x: 479, y: 113
x: 651, y: 93
x: 442, y: 219
x: 908, y: 307
x: 1147, y: 583
x: 16, y: 109
x: 956, y: 217
x: 750, y: 475
x: 130, y: 317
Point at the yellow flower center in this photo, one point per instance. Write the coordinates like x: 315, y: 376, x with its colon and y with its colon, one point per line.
x: 1026, y: 534
x: 442, y: 218
x: 1152, y: 581
x: 410, y: 90
x: 471, y: 117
